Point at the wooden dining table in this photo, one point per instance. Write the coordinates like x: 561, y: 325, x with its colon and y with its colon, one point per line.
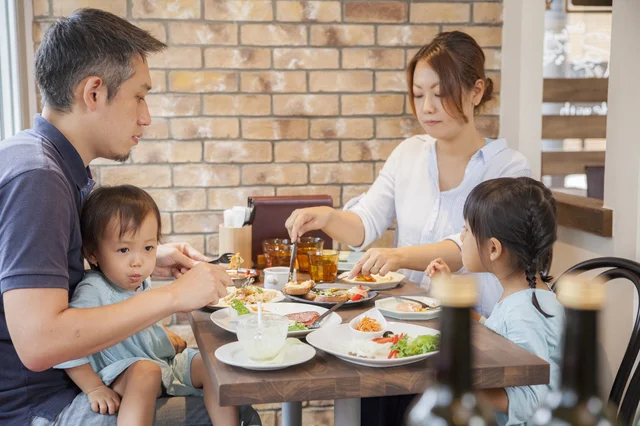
x: 497, y: 363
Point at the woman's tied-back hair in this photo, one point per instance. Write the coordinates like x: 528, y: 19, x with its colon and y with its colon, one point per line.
x: 127, y: 204
x: 459, y: 62
x: 89, y: 42
x: 521, y: 214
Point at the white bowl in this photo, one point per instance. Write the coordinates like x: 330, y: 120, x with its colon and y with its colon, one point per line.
x: 371, y: 313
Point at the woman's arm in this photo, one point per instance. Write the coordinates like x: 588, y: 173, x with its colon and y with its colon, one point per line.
x: 343, y: 226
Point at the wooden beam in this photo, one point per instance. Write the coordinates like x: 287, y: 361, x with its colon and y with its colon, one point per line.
x: 585, y: 214
x: 575, y: 90
x: 562, y: 163
x: 574, y: 126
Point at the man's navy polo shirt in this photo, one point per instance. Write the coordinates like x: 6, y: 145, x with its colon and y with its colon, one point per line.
x: 43, y: 182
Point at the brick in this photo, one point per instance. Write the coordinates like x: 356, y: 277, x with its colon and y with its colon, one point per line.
x: 485, y: 36
x: 368, y: 150
x: 236, y: 10
x: 438, y: 13
x: 406, y: 35
x: 285, y: 81
x: 166, y: 9
x: 380, y: 11
x: 309, y: 11
x: 487, y: 126
x: 38, y: 31
x: 372, y: 104
x: 213, y: 242
x: 224, y: 198
x: 158, y: 129
x: 378, y: 169
x: 176, y: 57
x: 391, y: 81
x: 41, y: 8
x: 205, y: 128
x: 274, y: 174
x: 237, y: 152
x: 321, y: 403
x: 273, y: 35
x: 173, y: 105
x: 157, y: 29
x: 350, y: 192
x: 195, y: 240
x: 487, y: 13
x: 303, y: 152
x: 341, y: 173
x: 245, y: 105
x: 243, y: 58
x: 274, y: 129
x: 308, y: 105
x: 158, y: 81
x: 493, y: 59
x: 206, y: 175
x: 203, y: 81
x: 342, y: 128
x: 197, y: 33
x: 143, y: 176
x: 397, y: 127
x: 306, y: 58
x: 165, y: 222
x: 268, y: 406
x: 340, y: 81
x: 342, y: 35
x: 193, y: 222
x: 67, y: 7
x: 173, y: 200
x: 167, y: 152
x: 331, y: 190
x: 373, y: 58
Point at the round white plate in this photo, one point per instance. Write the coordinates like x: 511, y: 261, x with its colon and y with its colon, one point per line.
x: 389, y: 281
x: 370, y: 296
x: 233, y: 354
x: 223, y: 319
x: 232, y: 290
x: 388, y: 308
x: 335, y: 340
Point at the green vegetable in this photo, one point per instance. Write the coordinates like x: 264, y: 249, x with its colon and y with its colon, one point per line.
x: 298, y: 326
x: 416, y: 346
x: 240, y: 308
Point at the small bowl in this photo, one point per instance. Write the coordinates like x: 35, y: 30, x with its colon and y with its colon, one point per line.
x: 371, y: 313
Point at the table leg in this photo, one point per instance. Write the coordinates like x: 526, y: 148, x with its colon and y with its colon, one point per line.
x: 346, y: 412
x: 292, y: 414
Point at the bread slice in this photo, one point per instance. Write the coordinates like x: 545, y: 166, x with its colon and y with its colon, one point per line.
x: 298, y: 289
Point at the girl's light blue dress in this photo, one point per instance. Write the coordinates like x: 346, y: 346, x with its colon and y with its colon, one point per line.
x: 152, y: 343
x: 516, y: 319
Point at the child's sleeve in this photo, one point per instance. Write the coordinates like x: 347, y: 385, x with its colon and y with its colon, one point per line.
x: 524, y: 400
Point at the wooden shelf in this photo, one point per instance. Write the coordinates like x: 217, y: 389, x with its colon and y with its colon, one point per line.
x: 585, y: 214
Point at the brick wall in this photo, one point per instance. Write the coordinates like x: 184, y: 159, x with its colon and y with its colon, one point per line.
x: 276, y: 97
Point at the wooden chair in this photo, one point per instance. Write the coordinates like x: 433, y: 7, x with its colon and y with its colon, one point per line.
x: 625, y: 402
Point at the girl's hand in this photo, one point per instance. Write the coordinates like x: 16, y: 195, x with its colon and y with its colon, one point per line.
x: 104, y: 400
x: 438, y: 266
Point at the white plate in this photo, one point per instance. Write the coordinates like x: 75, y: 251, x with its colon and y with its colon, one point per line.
x: 388, y: 308
x: 389, y: 281
x: 223, y: 319
x: 232, y: 290
x: 233, y: 354
x: 335, y: 340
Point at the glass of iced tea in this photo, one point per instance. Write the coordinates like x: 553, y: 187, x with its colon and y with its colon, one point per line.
x: 308, y: 245
x: 323, y: 266
x: 277, y: 251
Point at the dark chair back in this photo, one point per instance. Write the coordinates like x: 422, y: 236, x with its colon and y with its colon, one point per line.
x: 625, y: 402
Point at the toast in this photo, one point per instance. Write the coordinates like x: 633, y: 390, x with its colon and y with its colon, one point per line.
x: 298, y: 289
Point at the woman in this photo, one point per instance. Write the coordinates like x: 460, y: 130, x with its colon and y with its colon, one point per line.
x: 425, y: 182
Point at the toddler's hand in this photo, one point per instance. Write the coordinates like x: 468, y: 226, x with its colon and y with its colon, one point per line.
x: 438, y: 266
x: 104, y: 400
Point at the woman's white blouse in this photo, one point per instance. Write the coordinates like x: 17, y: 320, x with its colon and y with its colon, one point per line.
x: 408, y: 190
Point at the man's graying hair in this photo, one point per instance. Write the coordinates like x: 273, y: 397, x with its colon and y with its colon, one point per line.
x: 89, y: 42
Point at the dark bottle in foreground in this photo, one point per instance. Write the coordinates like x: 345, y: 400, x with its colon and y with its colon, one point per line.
x: 577, y: 402
x: 451, y: 400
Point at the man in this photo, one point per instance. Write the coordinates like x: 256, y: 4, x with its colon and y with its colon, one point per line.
x: 92, y: 73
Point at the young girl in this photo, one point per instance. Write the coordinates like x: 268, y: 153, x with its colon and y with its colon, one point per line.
x: 510, y: 228
x: 121, y: 229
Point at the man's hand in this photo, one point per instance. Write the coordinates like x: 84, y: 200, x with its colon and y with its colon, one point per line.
x: 104, y: 400
x: 175, y: 259
x: 178, y: 342
x: 204, y: 284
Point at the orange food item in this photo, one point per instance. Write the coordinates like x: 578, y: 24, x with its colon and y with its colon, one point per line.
x: 409, y: 307
x: 236, y: 261
x: 367, y: 324
x: 367, y: 279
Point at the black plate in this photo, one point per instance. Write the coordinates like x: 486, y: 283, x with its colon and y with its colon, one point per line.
x: 372, y: 295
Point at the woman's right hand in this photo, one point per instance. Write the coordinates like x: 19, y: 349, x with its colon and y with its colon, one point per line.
x: 438, y: 266
x: 302, y: 221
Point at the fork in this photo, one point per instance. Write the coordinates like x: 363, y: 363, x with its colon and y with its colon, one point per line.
x: 401, y: 298
x: 225, y: 258
x: 316, y: 324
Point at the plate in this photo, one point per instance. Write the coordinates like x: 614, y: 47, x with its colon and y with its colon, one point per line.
x: 371, y: 295
x: 232, y: 290
x: 223, y: 319
x: 233, y: 354
x: 389, y: 281
x: 335, y: 340
x: 388, y: 308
